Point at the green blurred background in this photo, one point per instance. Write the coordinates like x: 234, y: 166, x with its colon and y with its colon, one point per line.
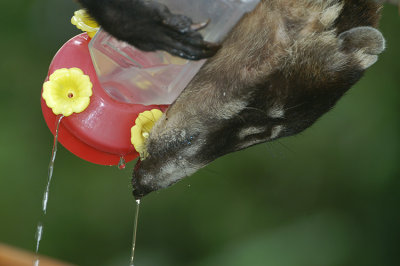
x: 329, y: 196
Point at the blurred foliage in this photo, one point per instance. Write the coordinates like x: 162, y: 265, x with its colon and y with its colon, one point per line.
x: 328, y: 196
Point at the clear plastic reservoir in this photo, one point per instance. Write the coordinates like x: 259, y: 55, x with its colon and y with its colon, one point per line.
x: 130, y: 75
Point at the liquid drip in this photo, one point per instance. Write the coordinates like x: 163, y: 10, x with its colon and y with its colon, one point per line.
x: 134, y: 232
x: 38, y: 236
x: 122, y: 163
x: 39, y: 228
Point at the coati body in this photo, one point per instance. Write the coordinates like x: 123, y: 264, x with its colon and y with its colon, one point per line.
x: 282, y: 67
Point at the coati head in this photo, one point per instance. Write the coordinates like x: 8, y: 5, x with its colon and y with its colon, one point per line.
x: 279, y: 70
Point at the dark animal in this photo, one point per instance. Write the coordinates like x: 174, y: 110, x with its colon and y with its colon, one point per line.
x: 283, y: 66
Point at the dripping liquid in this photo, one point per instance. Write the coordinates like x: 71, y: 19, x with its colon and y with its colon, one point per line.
x: 134, y: 232
x: 39, y: 228
x: 122, y: 163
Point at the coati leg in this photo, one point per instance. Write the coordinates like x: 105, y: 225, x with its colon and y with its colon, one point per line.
x: 150, y: 26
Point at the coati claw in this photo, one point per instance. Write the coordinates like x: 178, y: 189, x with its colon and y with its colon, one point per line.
x: 204, y: 50
x: 185, y: 40
x: 178, y: 23
x: 199, y: 26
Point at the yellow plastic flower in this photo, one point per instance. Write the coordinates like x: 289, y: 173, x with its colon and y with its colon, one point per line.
x: 83, y: 21
x: 141, y: 130
x: 67, y: 91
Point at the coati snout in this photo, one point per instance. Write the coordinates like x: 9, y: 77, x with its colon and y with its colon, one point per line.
x: 280, y: 69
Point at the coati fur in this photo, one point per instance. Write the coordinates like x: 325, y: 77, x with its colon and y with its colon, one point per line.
x: 283, y: 66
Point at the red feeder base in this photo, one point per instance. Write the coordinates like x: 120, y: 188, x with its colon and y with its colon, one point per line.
x: 100, y: 134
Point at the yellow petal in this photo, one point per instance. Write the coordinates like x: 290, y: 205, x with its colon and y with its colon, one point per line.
x: 80, y: 104
x: 84, y: 22
x: 141, y: 130
x: 67, y: 91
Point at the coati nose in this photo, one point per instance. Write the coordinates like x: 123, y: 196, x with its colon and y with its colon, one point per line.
x: 139, y: 190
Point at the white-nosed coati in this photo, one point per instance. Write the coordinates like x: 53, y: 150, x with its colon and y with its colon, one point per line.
x: 282, y: 67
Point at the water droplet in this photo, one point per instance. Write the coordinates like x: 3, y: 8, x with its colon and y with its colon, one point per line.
x: 51, y: 166
x: 135, y: 224
x: 122, y: 163
x: 39, y: 228
x: 38, y: 237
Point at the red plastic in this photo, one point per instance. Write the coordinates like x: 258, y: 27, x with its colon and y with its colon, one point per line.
x: 101, y: 133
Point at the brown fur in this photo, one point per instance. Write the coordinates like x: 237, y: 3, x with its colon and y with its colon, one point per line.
x: 282, y: 67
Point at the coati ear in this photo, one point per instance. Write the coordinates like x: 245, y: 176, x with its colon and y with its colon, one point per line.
x: 366, y: 43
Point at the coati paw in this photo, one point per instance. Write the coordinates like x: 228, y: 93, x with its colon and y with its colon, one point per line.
x: 151, y: 26
x: 176, y: 34
x: 366, y: 43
